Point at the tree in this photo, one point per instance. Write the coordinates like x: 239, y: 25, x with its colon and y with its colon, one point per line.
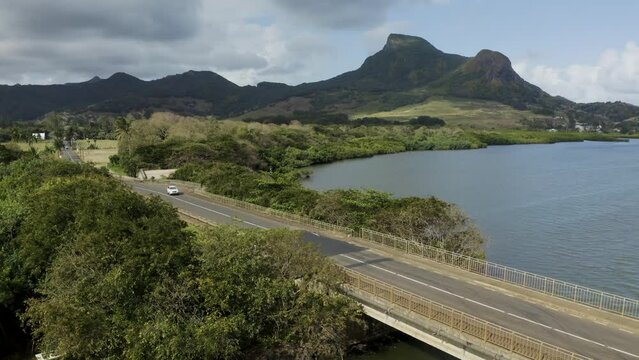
x: 427, y: 121
x: 104, y: 250
x: 53, y: 123
x: 123, y: 134
x: 8, y: 154
x: 106, y: 273
x: 58, y: 143
x: 16, y: 134
x: 432, y: 222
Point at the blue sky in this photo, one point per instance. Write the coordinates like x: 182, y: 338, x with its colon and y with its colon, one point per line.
x: 584, y: 50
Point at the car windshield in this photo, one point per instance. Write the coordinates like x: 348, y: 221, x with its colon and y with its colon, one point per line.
x: 172, y: 187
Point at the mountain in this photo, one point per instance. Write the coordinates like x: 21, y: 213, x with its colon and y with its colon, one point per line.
x: 405, y: 62
x: 490, y: 76
x: 407, y: 70
x: 119, y: 93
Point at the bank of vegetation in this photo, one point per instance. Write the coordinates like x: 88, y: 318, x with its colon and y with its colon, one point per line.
x: 88, y: 269
x: 263, y: 164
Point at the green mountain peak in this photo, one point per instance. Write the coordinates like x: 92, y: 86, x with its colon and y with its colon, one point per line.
x: 400, y: 41
x: 493, y: 65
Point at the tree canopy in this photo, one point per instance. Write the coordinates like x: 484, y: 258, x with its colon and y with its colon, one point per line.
x: 97, y: 271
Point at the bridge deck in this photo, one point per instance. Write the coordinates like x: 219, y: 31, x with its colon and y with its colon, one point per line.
x: 611, y: 337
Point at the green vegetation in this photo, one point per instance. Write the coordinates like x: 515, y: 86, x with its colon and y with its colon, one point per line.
x: 96, y: 151
x: 262, y: 164
x: 512, y: 137
x: 96, y: 271
x: 457, y: 112
x: 407, y: 76
x: 39, y: 145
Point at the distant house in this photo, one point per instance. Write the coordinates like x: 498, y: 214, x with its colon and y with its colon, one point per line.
x: 552, y: 130
x: 39, y: 135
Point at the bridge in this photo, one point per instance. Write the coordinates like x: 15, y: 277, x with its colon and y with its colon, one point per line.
x: 469, y: 308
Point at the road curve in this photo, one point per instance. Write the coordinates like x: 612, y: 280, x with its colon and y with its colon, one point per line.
x: 572, y: 333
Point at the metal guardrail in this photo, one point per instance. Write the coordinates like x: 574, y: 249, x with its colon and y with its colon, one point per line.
x: 189, y: 214
x: 552, y: 287
x: 482, y: 330
x: 549, y: 286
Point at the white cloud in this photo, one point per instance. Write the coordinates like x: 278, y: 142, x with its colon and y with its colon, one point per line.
x: 73, y: 40
x: 615, y: 76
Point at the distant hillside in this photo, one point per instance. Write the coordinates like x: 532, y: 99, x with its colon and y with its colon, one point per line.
x: 120, y: 93
x: 490, y: 76
x: 407, y: 71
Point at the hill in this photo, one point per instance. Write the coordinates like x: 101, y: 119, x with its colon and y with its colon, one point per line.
x: 406, y: 72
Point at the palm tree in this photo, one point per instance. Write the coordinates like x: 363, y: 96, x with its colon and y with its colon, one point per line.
x: 58, y: 143
x: 123, y: 132
x: 16, y: 135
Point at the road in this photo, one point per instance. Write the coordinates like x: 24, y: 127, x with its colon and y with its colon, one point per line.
x: 580, y: 335
x: 69, y: 154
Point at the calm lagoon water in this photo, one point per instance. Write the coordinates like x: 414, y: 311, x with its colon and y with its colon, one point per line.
x: 568, y: 210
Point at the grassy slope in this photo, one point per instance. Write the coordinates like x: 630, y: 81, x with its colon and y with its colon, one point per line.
x: 457, y: 112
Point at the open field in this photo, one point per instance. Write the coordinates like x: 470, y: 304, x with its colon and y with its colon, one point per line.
x: 99, y: 156
x: 469, y: 113
x: 100, y: 144
x: 24, y: 146
x: 458, y: 112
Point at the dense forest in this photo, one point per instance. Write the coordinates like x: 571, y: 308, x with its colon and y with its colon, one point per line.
x: 88, y: 269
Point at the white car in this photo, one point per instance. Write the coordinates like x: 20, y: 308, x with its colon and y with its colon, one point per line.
x: 172, y: 190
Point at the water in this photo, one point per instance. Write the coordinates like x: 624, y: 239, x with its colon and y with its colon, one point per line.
x: 569, y: 210
x: 407, y: 349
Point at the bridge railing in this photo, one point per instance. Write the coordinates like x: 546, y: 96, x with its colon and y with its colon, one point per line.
x: 549, y: 286
x: 552, y: 287
x: 482, y: 330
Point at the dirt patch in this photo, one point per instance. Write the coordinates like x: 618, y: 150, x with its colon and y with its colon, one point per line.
x: 159, y: 174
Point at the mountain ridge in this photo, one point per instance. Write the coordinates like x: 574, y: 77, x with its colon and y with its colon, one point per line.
x: 408, y: 69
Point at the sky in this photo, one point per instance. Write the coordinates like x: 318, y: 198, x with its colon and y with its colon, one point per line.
x: 583, y: 50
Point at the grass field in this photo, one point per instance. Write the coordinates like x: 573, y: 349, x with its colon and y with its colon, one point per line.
x: 458, y: 112
x: 24, y: 146
x: 99, y: 156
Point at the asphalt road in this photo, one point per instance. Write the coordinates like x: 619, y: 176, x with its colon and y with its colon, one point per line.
x: 69, y: 154
x: 573, y: 333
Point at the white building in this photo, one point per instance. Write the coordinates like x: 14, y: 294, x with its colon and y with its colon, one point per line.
x: 39, y: 136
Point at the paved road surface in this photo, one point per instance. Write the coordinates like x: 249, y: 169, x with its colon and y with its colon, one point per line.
x: 572, y: 333
x: 69, y: 154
